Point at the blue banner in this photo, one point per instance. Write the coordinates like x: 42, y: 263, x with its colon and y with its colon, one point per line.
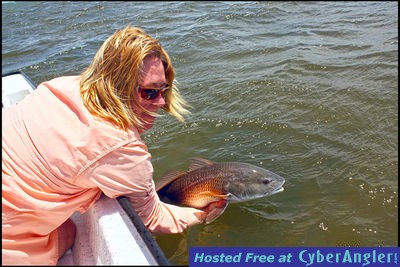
x: 294, y: 256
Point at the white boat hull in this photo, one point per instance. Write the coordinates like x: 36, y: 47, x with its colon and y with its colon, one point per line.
x: 107, y: 236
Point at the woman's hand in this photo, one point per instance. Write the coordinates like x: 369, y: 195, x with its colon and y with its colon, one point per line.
x: 212, y: 211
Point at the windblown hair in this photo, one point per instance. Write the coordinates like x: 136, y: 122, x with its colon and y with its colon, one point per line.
x: 108, y: 85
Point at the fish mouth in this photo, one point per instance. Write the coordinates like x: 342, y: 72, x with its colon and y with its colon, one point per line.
x: 241, y: 198
x: 277, y: 190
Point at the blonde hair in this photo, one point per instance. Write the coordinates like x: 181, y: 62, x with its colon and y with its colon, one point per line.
x: 108, y: 85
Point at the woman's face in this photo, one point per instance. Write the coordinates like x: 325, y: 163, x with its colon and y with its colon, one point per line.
x: 152, y: 77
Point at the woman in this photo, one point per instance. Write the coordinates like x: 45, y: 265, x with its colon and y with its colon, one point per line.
x: 77, y: 137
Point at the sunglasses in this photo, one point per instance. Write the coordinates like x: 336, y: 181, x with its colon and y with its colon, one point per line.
x: 151, y: 94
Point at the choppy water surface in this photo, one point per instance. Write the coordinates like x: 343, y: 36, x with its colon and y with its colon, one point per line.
x: 308, y: 90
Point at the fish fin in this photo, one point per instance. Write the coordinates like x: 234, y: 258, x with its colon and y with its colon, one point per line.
x: 226, y: 196
x: 197, y: 163
x: 168, y: 178
x: 212, y: 194
x: 216, y: 209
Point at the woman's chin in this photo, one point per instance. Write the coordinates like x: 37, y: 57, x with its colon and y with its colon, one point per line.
x: 148, y: 123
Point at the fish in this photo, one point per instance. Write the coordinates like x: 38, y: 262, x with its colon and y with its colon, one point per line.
x: 209, y: 185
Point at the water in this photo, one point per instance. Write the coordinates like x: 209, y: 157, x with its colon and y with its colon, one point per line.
x: 308, y: 90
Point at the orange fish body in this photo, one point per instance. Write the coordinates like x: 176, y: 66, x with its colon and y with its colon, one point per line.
x: 217, y: 183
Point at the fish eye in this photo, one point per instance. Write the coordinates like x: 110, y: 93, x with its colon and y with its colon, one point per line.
x: 266, y: 181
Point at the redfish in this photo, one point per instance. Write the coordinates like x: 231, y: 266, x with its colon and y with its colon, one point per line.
x: 216, y: 184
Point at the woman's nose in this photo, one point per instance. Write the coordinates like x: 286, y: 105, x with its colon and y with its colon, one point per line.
x: 159, y: 101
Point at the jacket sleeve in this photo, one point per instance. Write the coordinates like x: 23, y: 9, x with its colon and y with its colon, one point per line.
x: 127, y: 171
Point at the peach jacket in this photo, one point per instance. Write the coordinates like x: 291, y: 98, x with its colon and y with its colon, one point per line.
x: 57, y: 159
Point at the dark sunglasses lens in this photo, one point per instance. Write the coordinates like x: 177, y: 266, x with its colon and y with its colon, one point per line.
x: 149, y: 94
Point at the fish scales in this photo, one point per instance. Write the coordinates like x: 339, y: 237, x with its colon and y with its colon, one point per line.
x: 216, y: 184
x: 198, y: 188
